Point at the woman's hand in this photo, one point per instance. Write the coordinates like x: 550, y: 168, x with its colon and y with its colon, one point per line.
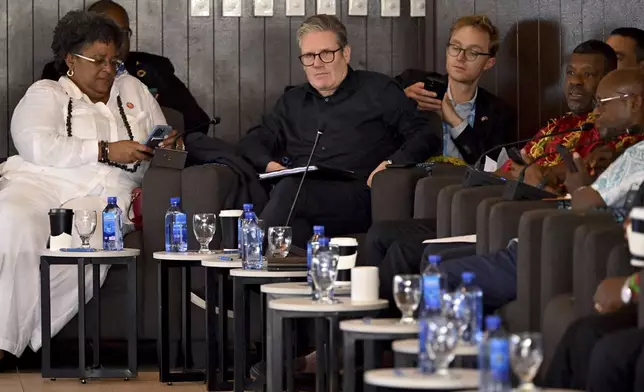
x: 128, y: 151
x: 608, y: 297
x: 173, y: 140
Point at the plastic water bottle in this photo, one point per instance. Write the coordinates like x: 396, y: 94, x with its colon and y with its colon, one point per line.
x: 112, y: 226
x: 176, y: 227
x: 323, y: 253
x: 252, y: 243
x: 240, y: 222
x: 474, y: 300
x: 318, y: 232
x: 494, y: 358
x: 434, y: 285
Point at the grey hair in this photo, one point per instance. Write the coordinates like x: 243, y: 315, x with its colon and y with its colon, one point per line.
x: 320, y: 23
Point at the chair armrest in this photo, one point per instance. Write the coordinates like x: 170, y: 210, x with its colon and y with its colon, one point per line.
x: 207, y: 188
x: 464, y: 206
x: 444, y: 210
x: 504, y: 217
x: 528, y: 301
x: 640, y: 306
x: 392, y: 193
x: 426, y: 195
x: 619, y: 262
x: 557, y: 250
x: 591, y: 270
x: 447, y: 169
x: 482, y: 222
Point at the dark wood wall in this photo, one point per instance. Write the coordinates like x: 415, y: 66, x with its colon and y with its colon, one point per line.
x: 538, y: 35
x: 235, y: 67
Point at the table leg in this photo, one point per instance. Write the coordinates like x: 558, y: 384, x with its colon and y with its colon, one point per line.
x: 96, y: 338
x: 332, y: 358
x: 320, y: 349
x: 239, y: 304
x: 45, y: 316
x: 211, y: 335
x: 163, y: 342
x: 222, y: 329
x: 186, y: 322
x: 349, y: 362
x: 402, y: 360
x: 289, y: 349
x: 81, y: 320
x: 369, y: 360
x: 133, y: 333
x: 274, y: 351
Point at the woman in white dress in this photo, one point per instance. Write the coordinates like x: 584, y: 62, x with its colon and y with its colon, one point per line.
x: 79, y: 141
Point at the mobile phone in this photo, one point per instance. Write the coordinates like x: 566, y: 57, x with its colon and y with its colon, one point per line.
x: 436, y: 82
x: 402, y: 165
x: 566, y: 155
x: 157, y: 135
x: 515, y: 156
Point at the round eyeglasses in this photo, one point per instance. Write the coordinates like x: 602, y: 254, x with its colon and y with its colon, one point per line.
x: 470, y: 54
x: 326, y: 56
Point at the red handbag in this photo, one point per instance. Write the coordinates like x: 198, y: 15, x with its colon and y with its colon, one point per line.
x: 135, y: 212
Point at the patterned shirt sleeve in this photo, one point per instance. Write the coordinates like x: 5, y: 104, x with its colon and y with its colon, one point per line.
x: 623, y: 175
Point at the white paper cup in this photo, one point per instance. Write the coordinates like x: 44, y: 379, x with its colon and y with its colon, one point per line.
x: 365, y: 284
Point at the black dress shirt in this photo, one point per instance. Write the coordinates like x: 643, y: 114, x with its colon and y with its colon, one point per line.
x: 494, y: 123
x: 157, y: 73
x: 366, y: 121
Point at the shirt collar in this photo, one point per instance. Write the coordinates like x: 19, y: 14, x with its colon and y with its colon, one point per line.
x: 350, y: 83
x: 74, y: 92
x: 470, y: 102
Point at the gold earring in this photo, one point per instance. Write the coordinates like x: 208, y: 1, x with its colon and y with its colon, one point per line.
x: 70, y: 73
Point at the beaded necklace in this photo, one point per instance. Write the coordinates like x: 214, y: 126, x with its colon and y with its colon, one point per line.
x: 127, y: 126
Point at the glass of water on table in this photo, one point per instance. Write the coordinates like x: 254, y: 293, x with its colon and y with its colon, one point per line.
x: 279, y: 241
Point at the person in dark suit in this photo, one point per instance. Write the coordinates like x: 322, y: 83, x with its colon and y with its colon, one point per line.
x: 474, y: 120
x: 156, y: 72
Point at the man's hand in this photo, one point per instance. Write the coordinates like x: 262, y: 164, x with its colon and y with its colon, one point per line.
x: 449, y: 113
x: 581, y: 178
x: 380, y: 167
x: 426, y: 99
x: 273, y: 166
x: 128, y: 151
x: 608, y: 297
x: 600, y: 158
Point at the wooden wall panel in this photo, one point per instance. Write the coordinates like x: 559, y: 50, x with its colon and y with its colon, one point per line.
x: 379, y: 40
x: 278, y: 55
x: 251, y: 68
x: 175, y: 35
x: 4, y: 83
x: 200, y: 61
x: 226, y: 72
x: 149, y: 25
x: 45, y: 17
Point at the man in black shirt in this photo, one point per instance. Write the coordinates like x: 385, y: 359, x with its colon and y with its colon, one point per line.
x: 156, y: 72
x: 367, y: 122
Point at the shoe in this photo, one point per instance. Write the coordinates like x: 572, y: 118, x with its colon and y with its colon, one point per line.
x: 198, y: 296
x: 258, y: 371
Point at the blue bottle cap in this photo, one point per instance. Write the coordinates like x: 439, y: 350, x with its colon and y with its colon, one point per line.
x: 318, y: 230
x: 467, y: 277
x: 434, y: 259
x: 111, y: 200
x: 175, y: 200
x: 324, y: 241
x: 248, y: 207
x: 492, y: 323
x: 248, y: 215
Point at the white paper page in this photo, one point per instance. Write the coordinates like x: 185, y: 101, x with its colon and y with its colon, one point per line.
x: 490, y: 165
x: 464, y: 238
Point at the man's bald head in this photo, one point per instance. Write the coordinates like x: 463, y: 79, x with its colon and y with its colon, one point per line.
x: 619, y: 99
x: 118, y: 14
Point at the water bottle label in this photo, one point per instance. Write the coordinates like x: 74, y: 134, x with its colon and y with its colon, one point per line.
x: 309, y: 257
x: 432, y: 291
x: 180, y: 218
x: 500, y: 359
x: 109, y: 226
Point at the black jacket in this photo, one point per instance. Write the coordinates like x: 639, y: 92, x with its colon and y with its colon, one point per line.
x: 157, y: 73
x: 495, y: 123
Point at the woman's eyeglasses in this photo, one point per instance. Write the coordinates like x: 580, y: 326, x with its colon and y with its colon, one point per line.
x: 112, y: 63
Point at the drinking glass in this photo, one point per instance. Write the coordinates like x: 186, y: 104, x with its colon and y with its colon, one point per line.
x: 457, y: 308
x: 324, y: 271
x: 85, y: 222
x: 204, y: 226
x: 442, y: 338
x: 526, y: 355
x: 279, y: 240
x: 407, y: 294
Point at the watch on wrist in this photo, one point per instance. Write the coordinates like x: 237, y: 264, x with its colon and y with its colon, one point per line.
x: 389, y: 162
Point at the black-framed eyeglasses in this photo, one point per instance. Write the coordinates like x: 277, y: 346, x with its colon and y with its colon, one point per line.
x: 326, y: 56
x: 113, y: 63
x: 599, y: 102
x: 127, y: 32
x: 470, y: 54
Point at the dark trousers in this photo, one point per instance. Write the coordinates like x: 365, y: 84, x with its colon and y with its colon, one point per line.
x: 342, y: 207
x: 384, y: 235
x: 592, y: 355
